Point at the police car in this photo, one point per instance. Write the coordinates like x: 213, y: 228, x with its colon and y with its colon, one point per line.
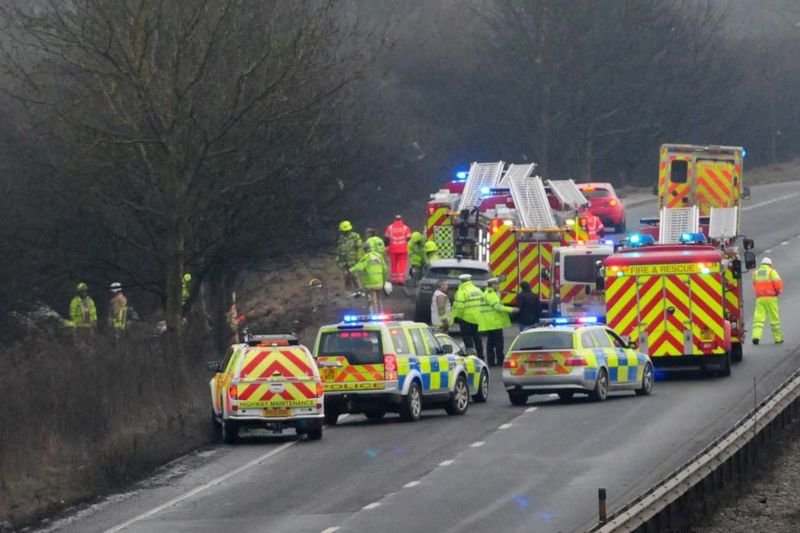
x: 269, y: 381
x: 374, y: 364
x: 569, y: 356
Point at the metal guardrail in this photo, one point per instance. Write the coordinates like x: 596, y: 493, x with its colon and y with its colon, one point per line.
x: 669, y: 505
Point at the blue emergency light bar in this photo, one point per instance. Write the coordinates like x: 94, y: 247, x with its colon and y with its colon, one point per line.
x: 635, y: 240
x: 461, y: 175
x: 382, y: 317
x: 692, y: 238
x: 566, y: 320
x: 608, y: 242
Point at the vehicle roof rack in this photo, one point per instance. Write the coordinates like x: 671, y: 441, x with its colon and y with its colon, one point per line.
x: 288, y: 339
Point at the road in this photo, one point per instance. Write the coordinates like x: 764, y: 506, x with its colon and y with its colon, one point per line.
x: 502, y: 468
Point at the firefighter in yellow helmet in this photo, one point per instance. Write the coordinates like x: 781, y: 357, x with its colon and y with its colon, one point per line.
x: 348, y: 252
x: 374, y: 276
x: 431, y: 253
x: 416, y: 255
x: 83, y: 314
x: 767, y: 286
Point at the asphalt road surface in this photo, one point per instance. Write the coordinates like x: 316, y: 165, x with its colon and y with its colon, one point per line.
x: 501, y: 468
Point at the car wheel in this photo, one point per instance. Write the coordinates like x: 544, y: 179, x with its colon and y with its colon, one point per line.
x: 566, y: 395
x: 483, y: 388
x: 600, y: 391
x: 459, y: 398
x: 229, y: 431
x: 736, y: 352
x: 331, y: 415
x: 315, y: 433
x: 375, y: 415
x: 647, y: 382
x: 725, y: 371
x: 517, y: 398
x: 411, y: 408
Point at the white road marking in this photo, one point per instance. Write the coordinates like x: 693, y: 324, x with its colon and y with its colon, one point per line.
x: 201, y: 488
x: 768, y: 251
x: 770, y: 201
x: 411, y: 484
x: 330, y: 529
x: 342, y: 417
x: 477, y: 444
x: 446, y: 463
x: 784, y: 243
x: 372, y: 505
x: 530, y: 409
x: 505, y: 426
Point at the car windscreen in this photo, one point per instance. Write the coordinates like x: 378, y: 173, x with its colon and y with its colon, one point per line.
x: 581, y: 268
x: 454, y: 272
x: 544, y: 340
x: 361, y: 347
x: 596, y: 193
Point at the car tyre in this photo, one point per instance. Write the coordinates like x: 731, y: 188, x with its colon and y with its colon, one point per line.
x: 725, y: 371
x: 459, y: 398
x: 229, y: 431
x: 566, y: 395
x: 736, y: 352
x: 375, y: 415
x: 517, y: 398
x: 600, y: 392
x: 331, y: 415
x: 647, y: 381
x: 483, y: 388
x: 411, y: 408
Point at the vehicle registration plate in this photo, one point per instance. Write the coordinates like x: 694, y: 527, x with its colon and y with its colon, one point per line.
x: 277, y: 413
x: 328, y: 374
x: 541, y: 364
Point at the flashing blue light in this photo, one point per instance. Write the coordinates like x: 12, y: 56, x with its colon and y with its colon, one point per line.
x: 562, y: 320
x: 575, y: 320
x: 637, y: 239
x: 461, y: 175
x: 608, y: 242
x: 350, y: 318
x: 744, y: 153
x: 486, y: 191
x: 692, y: 238
x: 588, y: 319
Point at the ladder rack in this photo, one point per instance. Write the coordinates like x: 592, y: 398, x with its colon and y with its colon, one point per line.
x: 481, y: 175
x: 723, y: 223
x: 673, y: 222
x: 568, y: 193
x: 531, y: 201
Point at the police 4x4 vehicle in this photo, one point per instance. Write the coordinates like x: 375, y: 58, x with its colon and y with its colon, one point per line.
x: 269, y: 381
x: 571, y: 356
x: 374, y: 364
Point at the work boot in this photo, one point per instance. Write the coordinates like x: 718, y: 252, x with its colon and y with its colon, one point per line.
x: 779, y: 342
x: 755, y: 341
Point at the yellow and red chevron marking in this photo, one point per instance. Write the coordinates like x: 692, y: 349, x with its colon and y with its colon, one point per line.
x: 669, y: 339
x: 714, y: 186
x: 733, y: 300
x: 707, y: 308
x: 650, y: 292
x: 535, y: 258
x: 267, y: 363
x: 350, y: 373
x: 621, y: 304
x: 294, y: 394
x: 570, y: 292
x: 662, y: 178
x: 676, y: 192
x: 440, y: 217
x: 527, y: 360
x: 503, y: 257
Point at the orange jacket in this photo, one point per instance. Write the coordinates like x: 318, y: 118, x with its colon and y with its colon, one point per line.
x: 398, y: 234
x: 767, y: 282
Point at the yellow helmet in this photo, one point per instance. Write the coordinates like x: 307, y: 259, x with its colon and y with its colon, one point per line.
x: 345, y: 225
x: 416, y: 236
x: 430, y: 246
x: 82, y: 287
x: 187, y: 277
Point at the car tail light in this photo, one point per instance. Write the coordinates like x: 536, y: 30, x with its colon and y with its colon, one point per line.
x: 320, y: 388
x: 431, y: 210
x: 575, y: 361
x: 510, y: 363
x: 612, y: 203
x: 390, y: 367
x: 233, y: 392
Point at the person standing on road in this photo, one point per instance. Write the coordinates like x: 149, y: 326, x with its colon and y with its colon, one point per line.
x: 117, y: 310
x: 767, y: 286
x: 441, y: 310
x: 348, y: 252
x: 494, y: 318
x: 530, y: 308
x: 374, y: 276
x: 398, y: 234
x: 416, y: 255
x: 467, y: 306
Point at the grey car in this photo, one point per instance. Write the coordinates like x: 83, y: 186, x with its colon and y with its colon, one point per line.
x: 447, y: 269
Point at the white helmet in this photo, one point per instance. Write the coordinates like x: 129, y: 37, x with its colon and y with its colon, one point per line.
x: 115, y: 287
x: 766, y: 261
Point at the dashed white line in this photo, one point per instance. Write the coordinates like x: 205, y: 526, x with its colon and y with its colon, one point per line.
x: 446, y: 463
x: 530, y: 409
x: 505, y: 426
x: 784, y: 243
x: 768, y: 251
x: 411, y: 484
x: 372, y: 505
x: 201, y: 488
x: 770, y: 201
x: 477, y: 444
x: 330, y: 529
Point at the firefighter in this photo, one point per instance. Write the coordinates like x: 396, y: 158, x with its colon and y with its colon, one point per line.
x: 117, y: 310
x: 348, y: 252
x: 431, y: 253
x: 186, y: 282
x: 83, y: 314
x: 398, y: 234
x: 375, y: 242
x: 441, y: 310
x: 767, y: 286
x: 494, y: 317
x: 374, y: 276
x: 467, y: 306
x: 416, y: 255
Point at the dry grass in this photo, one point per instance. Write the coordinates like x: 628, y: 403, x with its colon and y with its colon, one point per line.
x: 788, y: 171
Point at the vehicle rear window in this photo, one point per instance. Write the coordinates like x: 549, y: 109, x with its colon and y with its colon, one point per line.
x: 544, y: 340
x: 596, y: 193
x: 361, y: 347
x: 581, y: 268
x: 453, y: 273
x: 679, y: 171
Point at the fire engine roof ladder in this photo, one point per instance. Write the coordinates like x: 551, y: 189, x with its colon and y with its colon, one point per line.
x: 673, y: 222
x: 480, y: 175
x: 530, y: 200
x: 724, y: 223
x: 568, y: 193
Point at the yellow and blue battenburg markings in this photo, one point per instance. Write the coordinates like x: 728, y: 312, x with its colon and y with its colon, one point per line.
x: 433, y: 370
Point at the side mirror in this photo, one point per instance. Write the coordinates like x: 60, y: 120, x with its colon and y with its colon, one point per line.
x: 745, y: 193
x: 655, y: 190
x: 749, y: 260
x: 446, y: 348
x: 213, y: 366
x: 736, y: 269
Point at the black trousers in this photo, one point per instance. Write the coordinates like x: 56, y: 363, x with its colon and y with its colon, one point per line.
x: 495, y: 347
x: 472, y: 339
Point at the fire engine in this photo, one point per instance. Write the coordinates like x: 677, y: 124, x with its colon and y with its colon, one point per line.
x: 509, y: 218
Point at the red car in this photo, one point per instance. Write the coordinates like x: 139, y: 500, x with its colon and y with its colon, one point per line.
x: 604, y: 203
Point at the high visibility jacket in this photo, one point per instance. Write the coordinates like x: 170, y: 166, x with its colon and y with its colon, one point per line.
x: 468, y: 303
x: 118, y: 312
x: 348, y: 249
x: 436, y: 317
x: 494, y: 315
x: 430, y: 256
x: 398, y: 234
x: 376, y: 244
x: 767, y: 282
x: 185, y: 291
x: 82, y: 312
x: 416, y: 251
x: 373, y: 270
